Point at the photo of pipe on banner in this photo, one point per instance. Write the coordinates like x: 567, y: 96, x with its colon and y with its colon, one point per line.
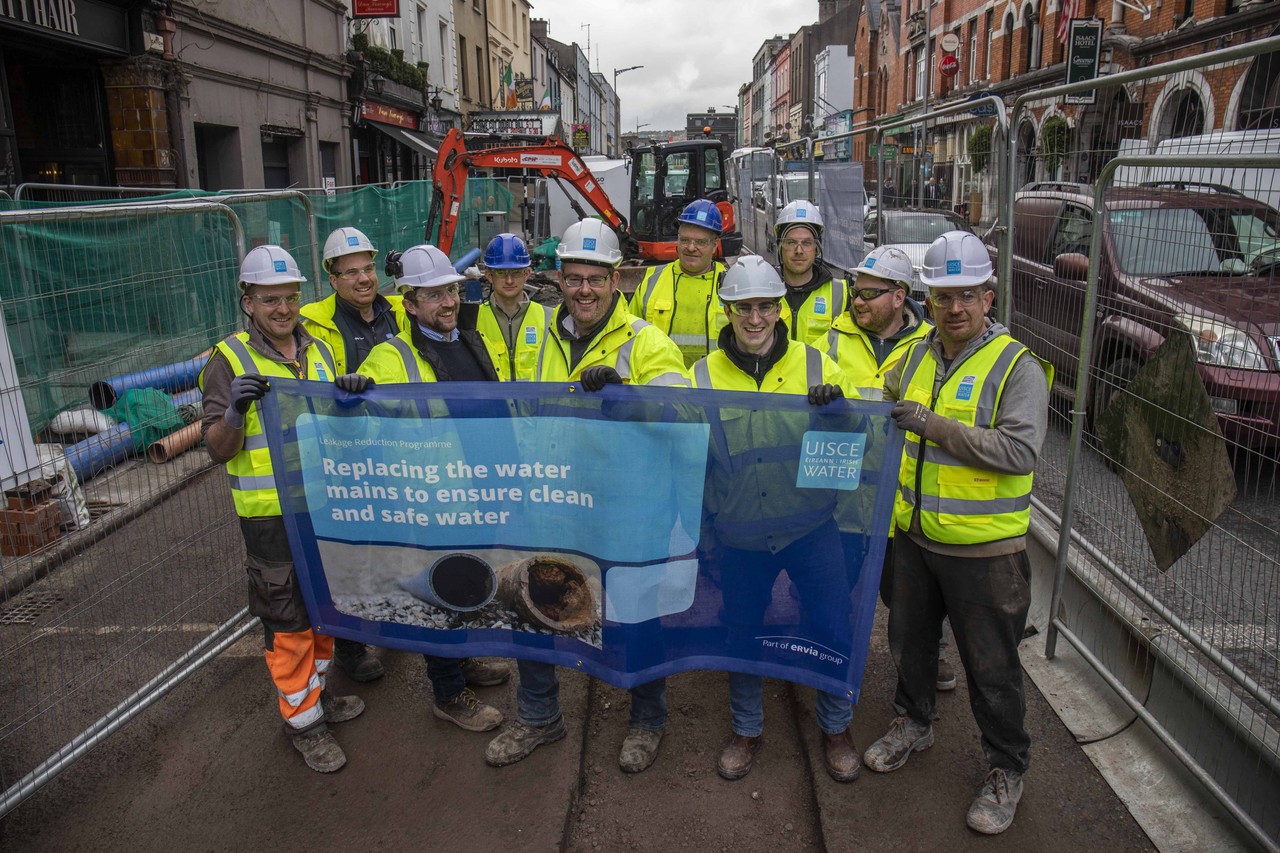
x: 590, y: 530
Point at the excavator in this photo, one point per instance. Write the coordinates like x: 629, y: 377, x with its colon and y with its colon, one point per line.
x: 665, y: 177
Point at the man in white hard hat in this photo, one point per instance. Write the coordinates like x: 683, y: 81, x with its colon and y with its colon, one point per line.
x: 593, y: 340
x: 434, y: 349
x: 351, y: 321
x: 815, y: 296
x: 235, y: 378
x: 754, y: 527
x: 882, y: 323
x: 974, y: 403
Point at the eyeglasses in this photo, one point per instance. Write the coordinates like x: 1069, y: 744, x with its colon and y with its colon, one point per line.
x: 432, y: 295
x: 356, y: 272
x: 964, y: 298
x: 276, y: 301
x: 764, y: 309
x: 698, y: 242
x: 507, y: 274
x: 595, y: 282
x: 807, y: 245
x: 868, y: 293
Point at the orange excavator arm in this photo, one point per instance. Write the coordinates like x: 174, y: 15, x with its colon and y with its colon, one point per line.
x: 548, y: 156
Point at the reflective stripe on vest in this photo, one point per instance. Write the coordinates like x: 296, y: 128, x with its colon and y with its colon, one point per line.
x: 412, y: 372
x: 960, y: 504
x: 812, y: 370
x: 649, y: 288
x: 623, y: 363
x: 253, y: 484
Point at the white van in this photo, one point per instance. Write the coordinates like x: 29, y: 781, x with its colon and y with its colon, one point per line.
x: 1262, y: 184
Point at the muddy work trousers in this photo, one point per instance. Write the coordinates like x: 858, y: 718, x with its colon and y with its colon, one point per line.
x: 987, y: 599
x: 297, y: 657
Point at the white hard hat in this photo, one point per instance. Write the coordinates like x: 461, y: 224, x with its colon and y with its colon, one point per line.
x: 270, y: 265
x: 800, y: 212
x: 956, y: 259
x: 590, y: 241
x: 421, y: 266
x: 752, y: 277
x: 346, y: 241
x: 888, y: 263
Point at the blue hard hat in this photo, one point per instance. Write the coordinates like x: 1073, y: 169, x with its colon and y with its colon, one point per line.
x: 702, y: 213
x: 507, y: 252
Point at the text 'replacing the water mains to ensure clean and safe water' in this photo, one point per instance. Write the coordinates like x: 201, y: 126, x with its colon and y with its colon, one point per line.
x: 831, y: 460
x: 515, y: 481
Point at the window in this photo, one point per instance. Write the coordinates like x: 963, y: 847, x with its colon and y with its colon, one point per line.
x: 1006, y: 55
x: 920, y: 63
x: 928, y: 62
x: 444, y: 54
x: 481, y: 84
x: 1075, y: 227
x: 275, y: 165
x: 986, y: 58
x: 420, y: 33
x: 464, y: 82
x: 391, y: 36
x: 218, y: 156
x: 1183, y: 115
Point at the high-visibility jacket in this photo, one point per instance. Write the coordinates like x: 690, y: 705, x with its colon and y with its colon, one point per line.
x: 959, y: 504
x: 253, y: 485
x: 687, y: 308
x: 638, y: 350
x: 849, y: 345
x: 320, y: 319
x: 752, y: 496
x: 398, y: 360
x: 522, y: 360
x: 818, y: 311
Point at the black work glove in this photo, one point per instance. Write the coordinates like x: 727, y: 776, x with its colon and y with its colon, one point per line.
x: 355, y: 383
x: 820, y: 395
x: 913, y: 417
x: 244, y: 391
x: 595, y: 378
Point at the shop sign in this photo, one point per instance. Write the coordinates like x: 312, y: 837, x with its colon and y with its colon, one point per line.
x: 375, y: 8
x: 387, y: 114
x: 88, y: 22
x: 1084, y: 46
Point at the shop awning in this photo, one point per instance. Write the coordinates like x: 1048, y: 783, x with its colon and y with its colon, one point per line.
x: 417, y: 142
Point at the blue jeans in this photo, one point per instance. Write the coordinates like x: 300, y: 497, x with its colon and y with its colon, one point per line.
x: 447, y: 680
x: 538, y: 698
x: 746, y: 704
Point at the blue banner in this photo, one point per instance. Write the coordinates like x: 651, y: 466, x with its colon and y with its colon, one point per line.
x: 631, y: 533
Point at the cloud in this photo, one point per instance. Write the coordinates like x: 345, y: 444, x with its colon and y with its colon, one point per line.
x: 695, y: 53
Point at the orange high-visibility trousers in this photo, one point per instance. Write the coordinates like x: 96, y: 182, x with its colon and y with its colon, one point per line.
x: 299, y: 662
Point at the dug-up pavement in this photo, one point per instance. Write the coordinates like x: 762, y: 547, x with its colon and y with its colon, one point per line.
x: 208, y: 769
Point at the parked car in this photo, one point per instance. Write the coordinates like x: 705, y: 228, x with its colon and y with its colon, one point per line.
x: 1199, y: 260
x: 911, y: 230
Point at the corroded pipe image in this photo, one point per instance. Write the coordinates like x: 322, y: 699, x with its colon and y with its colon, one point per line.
x: 459, y: 582
x: 548, y: 591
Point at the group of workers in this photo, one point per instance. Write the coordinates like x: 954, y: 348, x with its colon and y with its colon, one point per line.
x: 972, y: 401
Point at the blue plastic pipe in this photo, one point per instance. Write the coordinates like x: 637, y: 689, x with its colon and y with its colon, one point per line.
x: 188, y: 398
x: 466, y: 260
x: 172, y: 377
x: 99, y: 452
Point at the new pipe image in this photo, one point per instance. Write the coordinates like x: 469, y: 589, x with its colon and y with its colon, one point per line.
x: 459, y: 582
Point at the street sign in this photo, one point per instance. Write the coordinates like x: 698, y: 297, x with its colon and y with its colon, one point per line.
x: 890, y: 151
x: 983, y: 110
x: 949, y: 66
x: 1083, y: 49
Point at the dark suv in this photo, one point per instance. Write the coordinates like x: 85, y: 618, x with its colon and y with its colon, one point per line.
x: 1196, y: 259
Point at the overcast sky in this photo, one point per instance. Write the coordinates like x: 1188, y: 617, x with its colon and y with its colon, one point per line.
x: 695, y: 53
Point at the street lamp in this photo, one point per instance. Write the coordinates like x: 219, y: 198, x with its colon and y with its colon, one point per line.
x: 618, y: 71
x: 639, y: 125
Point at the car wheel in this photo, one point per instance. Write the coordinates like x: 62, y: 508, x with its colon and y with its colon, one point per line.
x: 1111, y: 380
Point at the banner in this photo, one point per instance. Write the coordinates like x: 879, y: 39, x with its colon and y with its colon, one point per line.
x: 631, y: 533
x: 1083, y: 52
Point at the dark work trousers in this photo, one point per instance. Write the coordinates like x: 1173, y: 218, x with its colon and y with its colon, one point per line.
x: 445, y: 675
x: 987, y: 599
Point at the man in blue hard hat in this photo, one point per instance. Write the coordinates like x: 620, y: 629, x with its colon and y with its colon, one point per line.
x: 680, y: 297
x: 511, y: 323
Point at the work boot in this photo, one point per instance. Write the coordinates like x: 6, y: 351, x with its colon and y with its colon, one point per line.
x: 892, y: 751
x: 466, y: 711
x: 946, y: 675
x: 483, y: 673
x: 840, y: 756
x: 339, y: 709
x: 320, y: 750
x: 518, y: 740
x: 738, y: 756
x: 356, y: 661
x: 993, y: 809
x: 639, y: 749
